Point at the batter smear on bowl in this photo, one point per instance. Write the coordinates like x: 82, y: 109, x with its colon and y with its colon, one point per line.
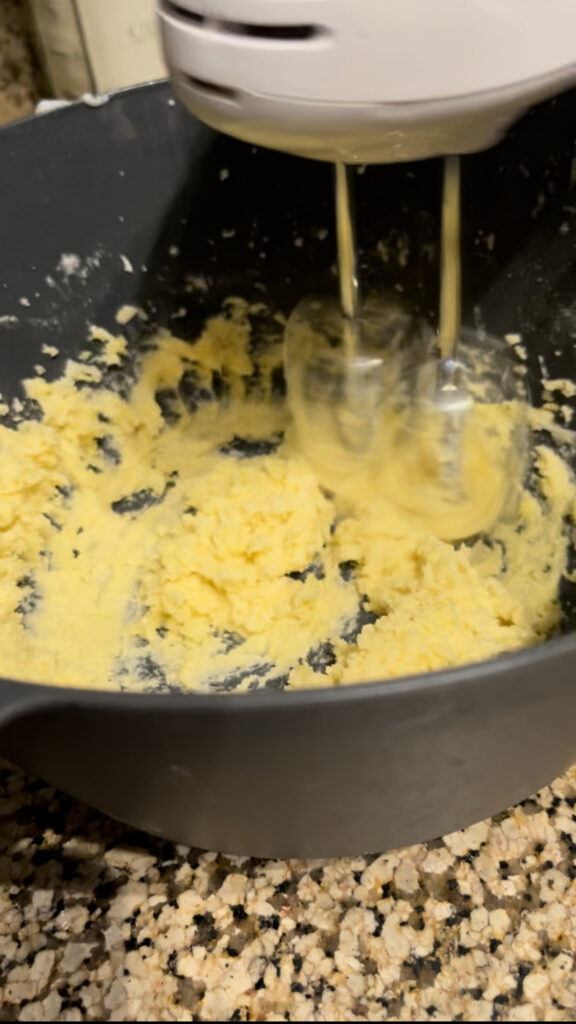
x: 159, y: 530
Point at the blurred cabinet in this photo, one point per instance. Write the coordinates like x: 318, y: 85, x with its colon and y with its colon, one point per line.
x: 97, y: 45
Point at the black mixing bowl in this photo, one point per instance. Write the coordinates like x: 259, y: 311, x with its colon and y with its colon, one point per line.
x: 319, y: 773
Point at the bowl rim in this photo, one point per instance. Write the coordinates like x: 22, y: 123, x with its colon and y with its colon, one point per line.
x: 458, y: 679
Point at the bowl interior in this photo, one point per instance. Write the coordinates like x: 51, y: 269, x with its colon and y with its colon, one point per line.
x: 136, y: 203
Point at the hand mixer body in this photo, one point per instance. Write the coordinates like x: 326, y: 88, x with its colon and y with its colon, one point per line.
x: 368, y: 81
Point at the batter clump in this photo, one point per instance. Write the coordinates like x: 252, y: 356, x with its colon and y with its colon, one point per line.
x: 159, y: 530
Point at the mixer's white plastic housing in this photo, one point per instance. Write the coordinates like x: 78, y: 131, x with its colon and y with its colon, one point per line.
x: 368, y: 80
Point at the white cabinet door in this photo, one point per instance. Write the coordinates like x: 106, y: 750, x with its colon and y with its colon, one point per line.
x: 122, y: 41
x: 97, y: 45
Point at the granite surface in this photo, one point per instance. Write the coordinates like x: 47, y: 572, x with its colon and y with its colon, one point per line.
x: 100, y: 923
x: 19, y: 77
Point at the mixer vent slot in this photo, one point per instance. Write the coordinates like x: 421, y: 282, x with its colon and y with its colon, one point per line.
x: 221, y: 92
x: 296, y: 33
x: 278, y: 33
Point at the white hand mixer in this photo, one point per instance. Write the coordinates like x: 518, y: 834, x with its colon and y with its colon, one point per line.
x: 368, y: 81
x: 372, y: 81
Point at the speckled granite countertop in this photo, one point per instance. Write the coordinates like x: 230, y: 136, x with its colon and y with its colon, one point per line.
x: 100, y: 923
x: 18, y: 68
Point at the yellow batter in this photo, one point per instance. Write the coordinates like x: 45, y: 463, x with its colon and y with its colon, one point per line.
x: 175, y: 538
